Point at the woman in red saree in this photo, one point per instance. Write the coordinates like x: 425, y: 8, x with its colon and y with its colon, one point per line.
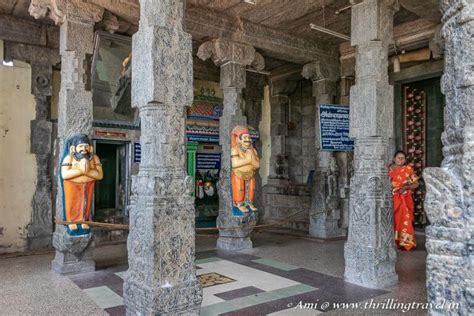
x: 404, y: 181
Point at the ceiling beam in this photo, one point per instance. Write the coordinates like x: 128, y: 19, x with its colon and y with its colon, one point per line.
x: 18, y: 30
x: 202, y: 23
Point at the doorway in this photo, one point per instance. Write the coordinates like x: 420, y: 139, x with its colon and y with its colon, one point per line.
x: 112, y: 192
x: 422, y: 108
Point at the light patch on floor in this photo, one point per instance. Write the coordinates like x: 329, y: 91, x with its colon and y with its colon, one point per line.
x: 104, y: 296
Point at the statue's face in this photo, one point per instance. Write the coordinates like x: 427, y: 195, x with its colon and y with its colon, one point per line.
x: 83, y: 148
x: 245, y: 141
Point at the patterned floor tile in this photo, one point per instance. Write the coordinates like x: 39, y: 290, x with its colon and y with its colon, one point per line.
x: 211, y: 279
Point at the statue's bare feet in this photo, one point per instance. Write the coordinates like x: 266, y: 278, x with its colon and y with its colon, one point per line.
x: 251, y: 206
x: 85, y: 226
x: 72, y: 226
x: 243, y: 209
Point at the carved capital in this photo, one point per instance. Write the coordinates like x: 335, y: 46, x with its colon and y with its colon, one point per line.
x: 317, y: 70
x: 61, y: 10
x: 110, y: 23
x: 222, y: 51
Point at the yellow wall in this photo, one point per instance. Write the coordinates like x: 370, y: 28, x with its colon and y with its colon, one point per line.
x: 264, y: 129
x: 17, y: 164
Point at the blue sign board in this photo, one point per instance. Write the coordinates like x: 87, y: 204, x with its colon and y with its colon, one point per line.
x: 137, y: 152
x: 208, y: 161
x: 334, y: 128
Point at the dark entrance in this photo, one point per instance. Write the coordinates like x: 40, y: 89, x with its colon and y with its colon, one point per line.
x: 110, y: 194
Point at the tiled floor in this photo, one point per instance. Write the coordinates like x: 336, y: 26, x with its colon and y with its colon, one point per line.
x: 247, y: 285
x: 273, y: 278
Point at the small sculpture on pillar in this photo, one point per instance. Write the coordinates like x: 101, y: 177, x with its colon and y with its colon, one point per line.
x: 245, y: 163
x: 80, y: 169
x: 332, y: 182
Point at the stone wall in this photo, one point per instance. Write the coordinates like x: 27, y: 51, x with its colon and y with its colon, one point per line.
x: 17, y: 164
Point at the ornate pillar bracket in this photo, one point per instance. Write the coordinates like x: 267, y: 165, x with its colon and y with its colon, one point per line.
x: 42, y: 60
x: 232, y: 57
x: 76, y: 20
x: 161, y: 279
x: 450, y: 189
x: 325, y: 209
x: 370, y: 250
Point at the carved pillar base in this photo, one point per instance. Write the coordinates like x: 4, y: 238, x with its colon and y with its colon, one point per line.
x: 323, y: 226
x: 73, y: 253
x: 234, y: 232
x: 369, y: 252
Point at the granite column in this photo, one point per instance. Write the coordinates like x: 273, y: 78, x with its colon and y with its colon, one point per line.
x: 232, y: 57
x: 325, y: 209
x: 161, y: 279
x: 449, y: 202
x: 370, y: 249
x: 76, y: 20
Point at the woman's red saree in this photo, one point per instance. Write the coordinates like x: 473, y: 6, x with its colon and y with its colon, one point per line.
x: 403, y: 205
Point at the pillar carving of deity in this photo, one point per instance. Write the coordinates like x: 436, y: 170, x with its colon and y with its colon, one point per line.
x: 41, y: 59
x: 232, y: 58
x: 370, y: 249
x: 325, y: 209
x: 450, y: 189
x: 161, y: 279
x: 76, y: 20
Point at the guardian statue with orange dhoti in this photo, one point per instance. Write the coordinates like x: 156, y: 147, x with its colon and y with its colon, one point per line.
x: 245, y: 163
x: 80, y: 169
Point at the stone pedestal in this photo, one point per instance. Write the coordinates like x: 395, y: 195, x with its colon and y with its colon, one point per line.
x: 325, y: 211
x: 73, y: 254
x: 370, y: 248
x: 450, y: 189
x: 76, y: 19
x: 232, y: 57
x: 161, y: 279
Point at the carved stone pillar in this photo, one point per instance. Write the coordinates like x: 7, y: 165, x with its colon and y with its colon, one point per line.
x: 253, y: 96
x: 449, y: 201
x: 40, y: 230
x: 76, y: 20
x: 370, y: 249
x: 279, y: 101
x: 232, y: 57
x: 325, y: 209
x: 278, y: 179
x: 161, y: 279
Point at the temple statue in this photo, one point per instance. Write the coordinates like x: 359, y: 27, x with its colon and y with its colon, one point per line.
x: 80, y: 169
x: 245, y: 163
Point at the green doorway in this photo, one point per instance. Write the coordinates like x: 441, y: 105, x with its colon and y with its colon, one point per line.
x: 111, y: 193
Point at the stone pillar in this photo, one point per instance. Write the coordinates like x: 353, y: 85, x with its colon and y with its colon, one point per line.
x: 449, y: 201
x: 42, y: 59
x: 325, y: 209
x: 161, y: 278
x: 370, y: 249
x: 280, y: 91
x: 253, y: 96
x: 232, y: 57
x: 76, y: 20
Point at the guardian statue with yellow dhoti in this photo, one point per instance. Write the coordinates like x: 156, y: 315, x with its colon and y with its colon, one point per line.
x: 80, y: 169
x: 245, y: 163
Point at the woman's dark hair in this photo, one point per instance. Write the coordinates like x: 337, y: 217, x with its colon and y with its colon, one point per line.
x: 399, y: 152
